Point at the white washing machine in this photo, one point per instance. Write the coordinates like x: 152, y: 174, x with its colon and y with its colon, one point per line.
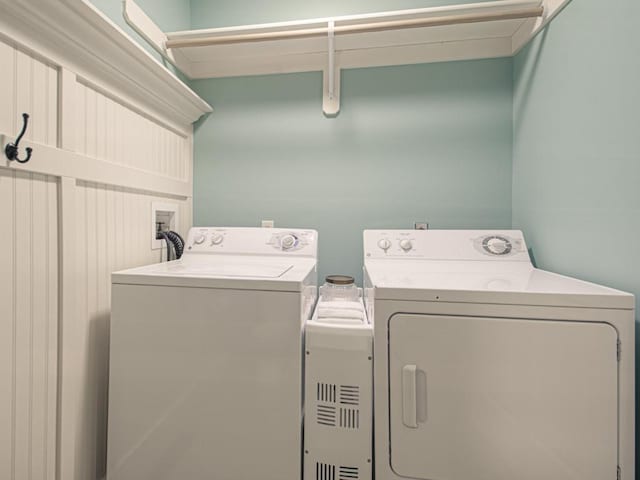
x: 487, y: 368
x: 206, y: 358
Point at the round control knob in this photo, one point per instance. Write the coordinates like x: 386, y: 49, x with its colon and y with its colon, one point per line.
x: 384, y: 244
x: 288, y: 242
x: 406, y: 245
x: 199, y: 239
x: 497, y: 245
x: 216, y: 239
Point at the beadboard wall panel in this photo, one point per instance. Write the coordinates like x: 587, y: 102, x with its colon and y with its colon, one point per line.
x: 66, y: 236
x: 28, y: 325
x: 112, y: 131
x: 112, y: 227
x: 28, y: 85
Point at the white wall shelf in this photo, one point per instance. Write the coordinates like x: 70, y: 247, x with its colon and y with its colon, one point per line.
x: 460, y: 32
x: 75, y: 35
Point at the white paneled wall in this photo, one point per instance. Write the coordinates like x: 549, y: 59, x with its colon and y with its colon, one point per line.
x: 112, y: 233
x: 111, y: 131
x: 30, y: 85
x: 28, y: 324
x: 66, y: 224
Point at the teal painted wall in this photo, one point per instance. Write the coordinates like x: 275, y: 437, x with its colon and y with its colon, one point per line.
x: 423, y: 142
x: 222, y: 13
x: 576, y: 188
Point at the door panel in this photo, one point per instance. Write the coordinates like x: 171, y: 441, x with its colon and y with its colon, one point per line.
x: 502, y: 399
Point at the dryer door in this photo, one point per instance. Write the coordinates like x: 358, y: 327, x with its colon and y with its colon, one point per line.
x: 500, y: 399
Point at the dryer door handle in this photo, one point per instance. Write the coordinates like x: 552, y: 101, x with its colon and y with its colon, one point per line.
x: 409, y: 396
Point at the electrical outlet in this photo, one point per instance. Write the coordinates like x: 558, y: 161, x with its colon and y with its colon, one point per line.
x: 421, y: 226
x: 268, y: 224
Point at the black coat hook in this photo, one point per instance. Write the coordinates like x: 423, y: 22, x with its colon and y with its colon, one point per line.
x: 11, y: 150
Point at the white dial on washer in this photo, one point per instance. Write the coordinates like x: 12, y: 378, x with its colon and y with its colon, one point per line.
x: 288, y: 241
x: 216, y: 239
x: 199, y: 239
x: 384, y: 244
x: 406, y: 245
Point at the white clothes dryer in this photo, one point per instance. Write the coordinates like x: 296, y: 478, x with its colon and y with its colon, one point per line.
x: 487, y: 368
x: 206, y: 358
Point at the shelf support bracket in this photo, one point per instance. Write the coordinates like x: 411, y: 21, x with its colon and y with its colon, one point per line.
x: 140, y: 22
x: 331, y: 77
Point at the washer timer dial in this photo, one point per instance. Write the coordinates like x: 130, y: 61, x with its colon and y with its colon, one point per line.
x: 288, y: 242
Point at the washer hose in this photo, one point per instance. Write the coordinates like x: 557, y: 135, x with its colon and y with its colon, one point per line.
x: 178, y: 243
x: 164, y: 235
x: 172, y: 239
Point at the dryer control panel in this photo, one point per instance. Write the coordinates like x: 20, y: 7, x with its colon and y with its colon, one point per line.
x: 499, y: 245
x: 252, y: 241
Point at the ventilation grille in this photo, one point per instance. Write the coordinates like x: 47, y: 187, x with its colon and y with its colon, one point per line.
x: 348, y: 473
x: 326, y: 392
x: 330, y: 415
x: 349, y: 418
x: 326, y: 415
x: 349, y: 394
x: 325, y: 471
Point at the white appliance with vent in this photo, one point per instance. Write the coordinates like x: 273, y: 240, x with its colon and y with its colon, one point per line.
x: 490, y: 369
x: 206, y: 358
x: 338, y: 432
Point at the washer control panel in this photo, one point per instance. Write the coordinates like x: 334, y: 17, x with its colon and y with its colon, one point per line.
x: 256, y: 241
x: 502, y: 245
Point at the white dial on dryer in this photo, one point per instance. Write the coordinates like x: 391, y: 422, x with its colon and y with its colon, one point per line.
x: 199, y: 239
x: 497, y: 245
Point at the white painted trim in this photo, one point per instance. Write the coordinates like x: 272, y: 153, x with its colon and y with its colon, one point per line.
x: 58, y: 162
x: 182, y: 132
x: 74, y: 35
x: 67, y: 92
x: 69, y: 352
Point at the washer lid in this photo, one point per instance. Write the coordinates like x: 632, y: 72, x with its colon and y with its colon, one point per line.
x: 243, y: 270
x: 224, y: 271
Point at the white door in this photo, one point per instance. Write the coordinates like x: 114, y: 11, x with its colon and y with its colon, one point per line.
x: 499, y: 399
